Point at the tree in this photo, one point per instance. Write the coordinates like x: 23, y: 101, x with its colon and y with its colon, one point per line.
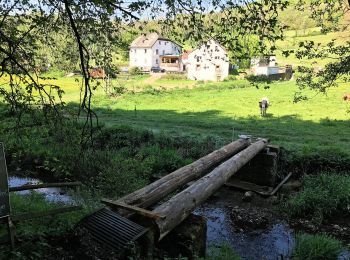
x: 330, y: 16
x: 96, y: 26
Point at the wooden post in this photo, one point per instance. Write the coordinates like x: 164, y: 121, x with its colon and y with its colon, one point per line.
x: 181, y: 205
x: 159, y: 189
x: 11, y: 232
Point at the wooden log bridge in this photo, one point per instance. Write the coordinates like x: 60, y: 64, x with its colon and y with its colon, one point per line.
x: 156, y: 191
x: 181, y: 205
x: 168, y: 215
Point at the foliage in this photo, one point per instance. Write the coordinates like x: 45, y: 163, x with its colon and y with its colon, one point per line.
x: 258, y: 80
x: 330, y: 16
x: 230, y: 78
x: 135, y: 71
x: 39, y: 231
x: 316, y: 247
x: 322, y: 196
x: 224, y: 252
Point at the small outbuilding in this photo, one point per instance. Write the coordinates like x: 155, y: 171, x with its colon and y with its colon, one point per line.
x: 266, y: 65
x: 208, y: 62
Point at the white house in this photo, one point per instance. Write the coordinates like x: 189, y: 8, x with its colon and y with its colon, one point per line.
x: 153, y: 51
x: 266, y: 65
x: 208, y: 62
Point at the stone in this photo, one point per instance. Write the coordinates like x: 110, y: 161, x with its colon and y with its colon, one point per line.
x: 248, y: 196
x: 187, y: 240
x: 261, y: 170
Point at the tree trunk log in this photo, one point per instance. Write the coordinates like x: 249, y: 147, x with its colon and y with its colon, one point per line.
x: 159, y: 189
x: 182, y: 204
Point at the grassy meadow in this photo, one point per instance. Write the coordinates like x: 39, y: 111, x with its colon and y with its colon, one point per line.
x: 225, y: 110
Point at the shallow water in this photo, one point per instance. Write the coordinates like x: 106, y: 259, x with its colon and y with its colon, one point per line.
x: 50, y: 194
x: 271, y: 243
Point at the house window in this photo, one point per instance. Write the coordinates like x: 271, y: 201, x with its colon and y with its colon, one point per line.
x: 160, y: 43
x: 145, y: 50
x: 198, y: 67
x: 157, y: 51
x: 165, y: 43
x: 163, y: 52
x: 156, y: 61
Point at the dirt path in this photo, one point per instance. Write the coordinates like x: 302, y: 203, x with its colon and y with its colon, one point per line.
x: 153, y: 77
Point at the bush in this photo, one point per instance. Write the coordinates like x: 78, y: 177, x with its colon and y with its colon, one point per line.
x: 230, y: 78
x: 316, y: 247
x: 135, y: 71
x: 258, y: 79
x: 119, y: 90
x: 322, y: 196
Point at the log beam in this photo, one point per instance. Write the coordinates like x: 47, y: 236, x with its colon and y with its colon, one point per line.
x: 159, y: 189
x: 181, y: 205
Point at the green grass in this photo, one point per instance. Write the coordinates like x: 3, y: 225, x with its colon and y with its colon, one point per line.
x: 316, y: 247
x: 311, y: 34
x: 225, y: 110
x: 224, y: 252
x: 322, y: 196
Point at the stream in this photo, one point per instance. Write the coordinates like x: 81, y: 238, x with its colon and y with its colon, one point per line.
x: 273, y: 242
x: 51, y: 194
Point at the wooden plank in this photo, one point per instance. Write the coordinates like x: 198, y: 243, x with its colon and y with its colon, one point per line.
x: 137, y: 210
x: 243, y: 185
x: 44, y: 185
x: 38, y: 214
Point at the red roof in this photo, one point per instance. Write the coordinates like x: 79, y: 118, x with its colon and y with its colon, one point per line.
x: 185, y: 54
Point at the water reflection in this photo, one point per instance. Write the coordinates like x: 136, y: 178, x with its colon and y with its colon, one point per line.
x: 51, y: 194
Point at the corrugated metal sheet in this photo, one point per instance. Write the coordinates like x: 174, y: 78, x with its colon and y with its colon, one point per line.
x: 111, y: 229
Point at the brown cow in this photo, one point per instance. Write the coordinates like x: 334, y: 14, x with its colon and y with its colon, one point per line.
x: 346, y: 97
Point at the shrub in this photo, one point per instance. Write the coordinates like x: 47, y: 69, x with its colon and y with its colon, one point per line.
x: 134, y: 71
x: 322, y: 196
x: 258, y: 79
x: 230, y: 78
x: 316, y: 247
x: 119, y: 90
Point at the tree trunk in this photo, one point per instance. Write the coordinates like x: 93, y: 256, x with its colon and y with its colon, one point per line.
x: 181, y: 205
x: 159, y: 189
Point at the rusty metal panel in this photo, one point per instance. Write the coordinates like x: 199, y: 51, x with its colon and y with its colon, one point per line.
x: 111, y: 229
x: 4, y: 189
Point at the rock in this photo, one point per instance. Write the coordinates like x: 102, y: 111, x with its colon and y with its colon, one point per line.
x: 249, y: 219
x: 248, y: 196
